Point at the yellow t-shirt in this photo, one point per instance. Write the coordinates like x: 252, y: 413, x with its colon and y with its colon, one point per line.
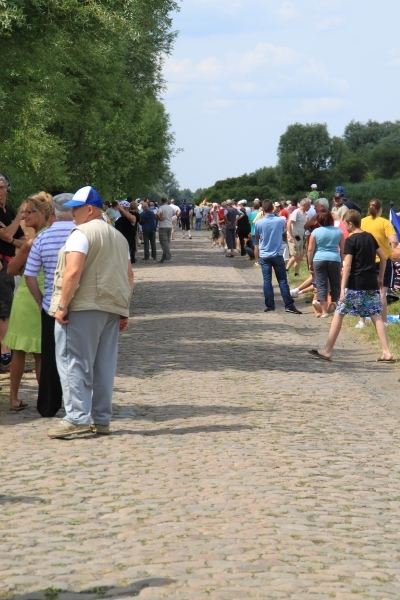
x: 380, y: 228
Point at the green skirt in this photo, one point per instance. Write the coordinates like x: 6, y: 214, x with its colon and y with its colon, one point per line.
x: 24, y: 330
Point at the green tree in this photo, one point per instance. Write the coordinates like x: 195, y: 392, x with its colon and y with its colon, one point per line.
x: 307, y: 154
x: 79, y: 84
x: 354, y: 168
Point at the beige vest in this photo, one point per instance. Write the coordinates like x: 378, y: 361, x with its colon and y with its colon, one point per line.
x: 104, y: 283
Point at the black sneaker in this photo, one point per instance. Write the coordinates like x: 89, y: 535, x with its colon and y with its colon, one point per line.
x: 269, y: 309
x: 293, y: 310
x: 6, y: 359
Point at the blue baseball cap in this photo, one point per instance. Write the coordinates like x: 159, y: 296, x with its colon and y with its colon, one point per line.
x: 86, y: 195
x: 339, y: 189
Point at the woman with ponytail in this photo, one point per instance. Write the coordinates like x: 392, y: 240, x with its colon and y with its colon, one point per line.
x: 385, y: 234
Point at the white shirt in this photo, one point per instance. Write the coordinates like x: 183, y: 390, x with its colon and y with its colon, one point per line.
x: 167, y: 212
x: 298, y: 218
x: 78, y: 242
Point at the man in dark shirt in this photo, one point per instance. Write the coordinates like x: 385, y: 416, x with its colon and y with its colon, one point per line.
x: 359, y: 294
x: 346, y: 201
x: 148, y: 222
x: 11, y: 237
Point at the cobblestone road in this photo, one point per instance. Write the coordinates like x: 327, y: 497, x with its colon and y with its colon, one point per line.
x: 239, y: 467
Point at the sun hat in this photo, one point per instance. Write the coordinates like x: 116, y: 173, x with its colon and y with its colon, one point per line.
x: 276, y: 204
x: 125, y: 204
x: 86, y: 195
x: 314, y: 186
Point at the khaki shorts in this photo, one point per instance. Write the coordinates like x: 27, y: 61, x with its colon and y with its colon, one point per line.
x: 296, y: 248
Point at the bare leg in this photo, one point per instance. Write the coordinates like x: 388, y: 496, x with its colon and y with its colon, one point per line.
x: 3, y: 331
x: 384, y: 304
x: 290, y: 263
x: 324, y: 306
x: 16, y: 371
x: 256, y: 253
x: 382, y: 335
x: 297, y: 260
x: 334, y: 331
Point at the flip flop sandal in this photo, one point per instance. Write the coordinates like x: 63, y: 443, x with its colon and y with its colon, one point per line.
x: 316, y: 354
x: 386, y: 360
x: 21, y: 406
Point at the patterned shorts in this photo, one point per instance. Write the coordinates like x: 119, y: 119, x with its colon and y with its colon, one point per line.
x: 360, y: 303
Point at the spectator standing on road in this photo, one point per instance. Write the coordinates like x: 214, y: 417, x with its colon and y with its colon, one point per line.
x: 24, y: 330
x: 199, y: 217
x: 295, y: 231
x: 11, y: 237
x: 339, y: 209
x: 231, y: 216
x: 127, y: 224
x: 149, y: 225
x: 185, y: 214
x: 44, y: 256
x: 214, y: 224
x: 293, y: 205
x: 243, y: 230
x: 174, y: 218
x: 92, y: 290
x: 222, y: 225
x: 269, y: 230
x: 164, y: 216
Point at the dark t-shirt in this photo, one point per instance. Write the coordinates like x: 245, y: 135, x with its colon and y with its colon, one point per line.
x: 362, y: 247
x: 185, y: 210
x: 351, y: 205
x: 124, y: 226
x: 7, y: 218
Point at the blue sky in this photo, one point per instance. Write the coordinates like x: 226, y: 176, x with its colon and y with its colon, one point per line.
x: 242, y: 71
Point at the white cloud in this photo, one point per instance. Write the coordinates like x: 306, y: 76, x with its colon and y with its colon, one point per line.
x: 314, y: 106
x: 287, y: 11
x: 210, y: 69
x: 267, y: 55
x: 245, y: 87
x: 330, y: 22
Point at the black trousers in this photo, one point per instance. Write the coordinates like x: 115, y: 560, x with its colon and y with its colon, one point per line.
x: 50, y: 393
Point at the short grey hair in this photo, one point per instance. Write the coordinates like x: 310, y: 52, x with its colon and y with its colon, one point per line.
x: 62, y: 213
x: 323, y: 202
x: 305, y: 201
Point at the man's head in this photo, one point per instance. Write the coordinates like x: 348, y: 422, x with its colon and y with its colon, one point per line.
x: 223, y: 204
x: 172, y: 201
x: 62, y: 212
x: 256, y: 205
x: 314, y: 186
x: 164, y: 200
x: 184, y: 201
x: 145, y: 204
x: 277, y: 207
x: 115, y: 204
x: 305, y: 204
x: 322, y: 205
x: 294, y: 201
x: 338, y: 199
x: 267, y: 206
x: 86, y: 205
x: 229, y: 202
x: 339, y: 189
x: 106, y: 204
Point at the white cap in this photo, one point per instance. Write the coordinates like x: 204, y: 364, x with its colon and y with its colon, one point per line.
x: 314, y: 186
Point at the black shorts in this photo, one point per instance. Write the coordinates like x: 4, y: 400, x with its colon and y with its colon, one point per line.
x: 185, y: 224
x: 7, y: 287
x: 388, y: 277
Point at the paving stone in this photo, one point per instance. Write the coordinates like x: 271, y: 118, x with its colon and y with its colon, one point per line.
x: 238, y: 466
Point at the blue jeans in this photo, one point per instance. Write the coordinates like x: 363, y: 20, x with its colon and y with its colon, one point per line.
x: 198, y: 223
x: 278, y: 264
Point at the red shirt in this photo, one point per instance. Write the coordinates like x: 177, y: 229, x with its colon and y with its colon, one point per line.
x: 221, y: 215
x: 284, y: 213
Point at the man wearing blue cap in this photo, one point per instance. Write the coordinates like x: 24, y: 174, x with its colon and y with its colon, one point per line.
x: 340, y: 193
x: 93, y: 285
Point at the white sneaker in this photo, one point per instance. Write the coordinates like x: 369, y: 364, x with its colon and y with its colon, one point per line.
x: 294, y: 293
x: 325, y: 315
x: 256, y: 264
x: 360, y: 325
x: 316, y: 303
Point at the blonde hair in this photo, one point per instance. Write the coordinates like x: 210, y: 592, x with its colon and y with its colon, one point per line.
x: 42, y: 202
x: 374, y: 207
x: 133, y: 205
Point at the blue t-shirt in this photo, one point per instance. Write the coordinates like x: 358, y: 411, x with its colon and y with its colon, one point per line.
x: 327, y: 243
x: 252, y: 216
x: 270, y: 229
x: 185, y: 210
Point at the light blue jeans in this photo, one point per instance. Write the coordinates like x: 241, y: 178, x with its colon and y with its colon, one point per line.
x: 86, y: 354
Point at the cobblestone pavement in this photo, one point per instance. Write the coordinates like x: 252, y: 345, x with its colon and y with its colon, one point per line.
x: 239, y: 467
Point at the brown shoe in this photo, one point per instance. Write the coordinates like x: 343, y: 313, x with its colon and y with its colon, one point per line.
x: 100, y: 429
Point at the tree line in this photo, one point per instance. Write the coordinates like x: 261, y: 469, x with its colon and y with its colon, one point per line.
x: 79, y: 94
x: 366, y: 160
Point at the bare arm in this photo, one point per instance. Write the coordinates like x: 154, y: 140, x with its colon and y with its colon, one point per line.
x: 393, y: 240
x: 71, y: 278
x: 395, y: 256
x: 341, y: 247
x: 15, y: 267
x: 348, y: 259
x: 310, y: 222
x: 290, y: 230
x: 311, y: 252
x: 7, y: 233
x: 127, y: 215
x: 34, y: 289
x: 382, y: 266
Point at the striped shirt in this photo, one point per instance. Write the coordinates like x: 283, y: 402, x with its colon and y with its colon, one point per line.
x: 44, y: 254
